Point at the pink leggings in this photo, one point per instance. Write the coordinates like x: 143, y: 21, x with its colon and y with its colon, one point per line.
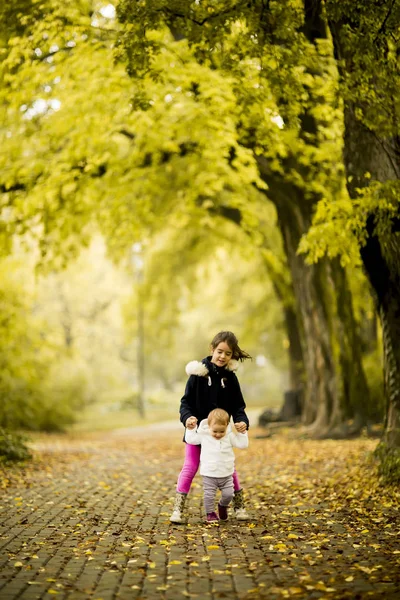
x: 190, y: 467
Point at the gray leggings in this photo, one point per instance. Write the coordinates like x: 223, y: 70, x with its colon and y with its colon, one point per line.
x: 210, y: 487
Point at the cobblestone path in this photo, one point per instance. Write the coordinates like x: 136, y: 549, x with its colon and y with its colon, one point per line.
x: 89, y: 520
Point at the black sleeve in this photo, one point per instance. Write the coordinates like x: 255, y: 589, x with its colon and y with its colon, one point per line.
x: 188, y: 400
x: 239, y: 405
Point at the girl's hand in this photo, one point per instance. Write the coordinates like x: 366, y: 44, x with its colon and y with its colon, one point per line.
x: 241, y: 427
x: 191, y: 422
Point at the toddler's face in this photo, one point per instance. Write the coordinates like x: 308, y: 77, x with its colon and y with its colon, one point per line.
x: 217, y: 430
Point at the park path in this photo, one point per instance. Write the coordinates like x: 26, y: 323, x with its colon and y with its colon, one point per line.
x: 89, y: 520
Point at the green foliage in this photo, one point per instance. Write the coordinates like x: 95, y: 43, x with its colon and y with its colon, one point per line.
x: 339, y: 228
x: 371, y: 80
x: 389, y: 464
x: 13, y: 447
x: 23, y: 355
x: 58, y: 80
x: 39, y: 388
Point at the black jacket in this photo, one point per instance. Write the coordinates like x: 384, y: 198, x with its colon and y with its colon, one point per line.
x: 210, y: 387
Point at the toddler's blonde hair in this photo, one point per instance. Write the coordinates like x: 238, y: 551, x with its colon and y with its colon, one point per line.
x: 218, y: 415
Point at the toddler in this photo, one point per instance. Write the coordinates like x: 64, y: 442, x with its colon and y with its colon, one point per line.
x: 217, y: 460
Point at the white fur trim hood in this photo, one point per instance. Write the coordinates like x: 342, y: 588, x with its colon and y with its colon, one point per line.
x: 198, y: 368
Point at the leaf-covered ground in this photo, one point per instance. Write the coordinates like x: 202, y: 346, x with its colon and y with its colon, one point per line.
x: 89, y: 519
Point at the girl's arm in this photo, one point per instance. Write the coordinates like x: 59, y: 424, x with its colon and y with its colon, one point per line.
x: 192, y: 437
x: 239, y: 440
x: 239, y: 405
x: 187, y: 408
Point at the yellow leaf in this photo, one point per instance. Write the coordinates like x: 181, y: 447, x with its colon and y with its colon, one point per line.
x: 193, y: 564
x: 212, y: 547
x: 175, y: 562
x: 51, y: 591
x: 349, y: 578
x: 205, y: 558
x: 293, y: 536
x: 151, y: 565
x: 18, y: 564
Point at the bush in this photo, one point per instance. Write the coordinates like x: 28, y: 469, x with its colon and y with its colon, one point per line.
x: 389, y: 463
x: 12, y: 447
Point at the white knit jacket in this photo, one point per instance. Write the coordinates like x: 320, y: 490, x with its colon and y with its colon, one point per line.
x: 217, y: 457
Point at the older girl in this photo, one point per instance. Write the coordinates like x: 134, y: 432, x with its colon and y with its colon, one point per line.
x: 212, y: 384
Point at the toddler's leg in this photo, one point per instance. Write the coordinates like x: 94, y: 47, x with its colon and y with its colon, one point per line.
x: 189, y: 469
x: 226, y: 487
x: 210, y: 486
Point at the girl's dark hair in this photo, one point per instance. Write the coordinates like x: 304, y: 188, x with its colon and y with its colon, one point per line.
x: 230, y: 338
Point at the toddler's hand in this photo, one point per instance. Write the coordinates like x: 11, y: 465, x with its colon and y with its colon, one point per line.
x: 241, y: 427
x: 191, y: 422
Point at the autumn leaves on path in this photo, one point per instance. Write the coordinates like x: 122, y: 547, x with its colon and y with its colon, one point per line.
x: 89, y: 519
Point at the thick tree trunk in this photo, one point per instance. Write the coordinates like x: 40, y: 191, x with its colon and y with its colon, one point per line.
x: 385, y: 281
x: 296, y: 359
x: 321, y: 405
x: 355, y: 391
x: 285, y: 294
x: 365, y: 152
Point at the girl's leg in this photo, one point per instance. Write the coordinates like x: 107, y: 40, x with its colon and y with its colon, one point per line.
x: 238, y: 500
x: 189, y: 469
x: 236, y: 483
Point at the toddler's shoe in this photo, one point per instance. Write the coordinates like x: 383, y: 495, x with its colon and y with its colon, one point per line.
x: 212, y: 517
x: 222, y: 512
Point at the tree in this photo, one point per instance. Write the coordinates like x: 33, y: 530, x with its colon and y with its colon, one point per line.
x: 287, y: 116
x: 367, y: 47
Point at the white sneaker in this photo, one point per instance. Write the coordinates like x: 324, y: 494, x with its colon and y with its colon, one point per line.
x: 176, y: 517
x: 242, y: 514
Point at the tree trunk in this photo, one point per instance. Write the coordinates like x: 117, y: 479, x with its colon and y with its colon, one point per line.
x: 322, y: 406
x: 355, y: 391
x: 386, y: 285
x: 285, y: 294
x: 366, y: 152
x: 321, y: 400
x: 296, y: 359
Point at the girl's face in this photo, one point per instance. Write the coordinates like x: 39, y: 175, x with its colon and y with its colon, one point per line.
x: 221, y: 355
